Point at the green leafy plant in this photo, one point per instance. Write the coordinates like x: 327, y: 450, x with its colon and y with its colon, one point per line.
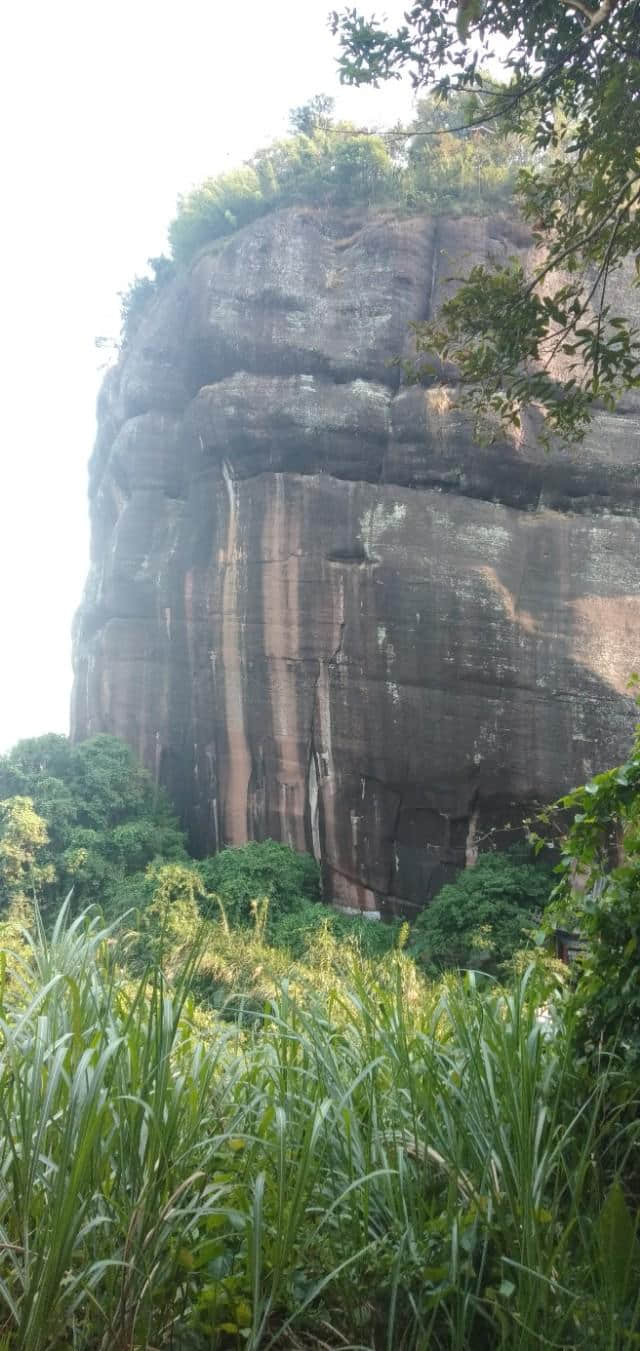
x: 485, y: 916
x: 599, y: 895
x: 240, y: 876
x: 104, y: 819
x: 549, y: 338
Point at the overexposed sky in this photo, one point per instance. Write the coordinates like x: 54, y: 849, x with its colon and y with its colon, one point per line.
x: 109, y: 109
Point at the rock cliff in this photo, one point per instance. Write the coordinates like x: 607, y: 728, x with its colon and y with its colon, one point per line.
x: 316, y: 609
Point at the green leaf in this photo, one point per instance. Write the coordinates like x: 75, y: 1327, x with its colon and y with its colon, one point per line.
x: 619, y: 1243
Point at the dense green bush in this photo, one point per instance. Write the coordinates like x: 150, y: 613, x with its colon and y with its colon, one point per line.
x: 105, y: 820
x: 484, y: 916
x: 290, y: 884
x: 296, y: 930
x: 599, y: 895
x: 253, y: 871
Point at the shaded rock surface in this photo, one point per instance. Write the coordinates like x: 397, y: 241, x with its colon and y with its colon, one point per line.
x: 316, y: 608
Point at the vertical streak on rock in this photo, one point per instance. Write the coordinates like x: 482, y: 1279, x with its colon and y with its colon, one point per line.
x: 471, y: 842
x: 281, y: 609
x: 313, y: 799
x: 433, y: 279
x: 326, y: 785
x: 239, y: 766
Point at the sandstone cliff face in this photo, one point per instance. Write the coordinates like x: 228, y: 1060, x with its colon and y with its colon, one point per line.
x: 316, y: 609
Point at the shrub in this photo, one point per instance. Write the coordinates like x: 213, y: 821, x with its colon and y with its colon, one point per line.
x: 240, y: 876
x: 297, y: 928
x: 135, y: 301
x: 484, y: 916
x: 599, y: 895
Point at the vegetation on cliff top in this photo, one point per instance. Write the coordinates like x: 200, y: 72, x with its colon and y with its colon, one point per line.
x: 572, y: 82
x: 329, y: 163
x: 427, y: 167
x: 560, y: 135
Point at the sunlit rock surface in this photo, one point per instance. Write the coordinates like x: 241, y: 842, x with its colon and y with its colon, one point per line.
x: 316, y: 608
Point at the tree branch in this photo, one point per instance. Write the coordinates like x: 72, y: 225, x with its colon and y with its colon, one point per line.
x: 594, y: 17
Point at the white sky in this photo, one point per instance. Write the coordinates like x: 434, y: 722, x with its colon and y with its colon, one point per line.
x: 108, y: 110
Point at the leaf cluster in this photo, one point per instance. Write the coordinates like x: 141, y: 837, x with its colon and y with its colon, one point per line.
x: 102, y: 820
x: 599, y: 895
x: 551, y: 338
x: 485, y: 916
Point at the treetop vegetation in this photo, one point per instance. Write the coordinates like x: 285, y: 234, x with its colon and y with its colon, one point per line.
x: 329, y: 163
x: 323, y: 162
x: 94, y: 821
x: 549, y: 337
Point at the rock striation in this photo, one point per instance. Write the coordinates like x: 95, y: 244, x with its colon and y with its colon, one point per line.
x: 317, y: 610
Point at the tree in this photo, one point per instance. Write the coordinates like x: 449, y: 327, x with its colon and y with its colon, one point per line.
x: 316, y: 115
x: 451, y: 165
x: 103, y: 817
x: 547, y: 336
x: 484, y: 916
x: 23, y: 836
x: 599, y: 895
x: 240, y: 876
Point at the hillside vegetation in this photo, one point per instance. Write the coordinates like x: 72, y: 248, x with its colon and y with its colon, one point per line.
x: 232, y: 1118
x: 88, y: 818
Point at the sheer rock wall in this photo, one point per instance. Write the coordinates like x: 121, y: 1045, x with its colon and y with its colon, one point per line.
x: 316, y: 609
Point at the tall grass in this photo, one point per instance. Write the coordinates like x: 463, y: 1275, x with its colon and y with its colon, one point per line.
x: 377, y: 1164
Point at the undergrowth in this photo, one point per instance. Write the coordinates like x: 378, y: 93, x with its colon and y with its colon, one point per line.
x: 371, y: 1160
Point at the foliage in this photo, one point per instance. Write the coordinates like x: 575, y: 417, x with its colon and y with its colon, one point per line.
x: 240, y: 876
x: 297, y: 929
x: 134, y: 302
x: 599, y: 895
x: 23, y: 835
x: 271, y: 885
x: 315, y: 115
x: 484, y: 916
x: 375, y: 1162
x: 329, y: 167
x: 455, y: 162
x: 548, y: 338
x: 335, y: 164
x: 104, y: 819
